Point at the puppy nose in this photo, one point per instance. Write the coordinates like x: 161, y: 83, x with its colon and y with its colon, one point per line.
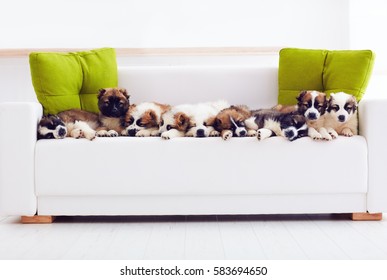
x: 200, y: 133
x: 132, y: 132
x: 289, y: 134
x: 61, y: 132
x: 342, y: 118
x: 242, y: 133
x: 312, y: 116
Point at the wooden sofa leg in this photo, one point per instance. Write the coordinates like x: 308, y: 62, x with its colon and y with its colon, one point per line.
x: 37, y: 219
x: 367, y: 216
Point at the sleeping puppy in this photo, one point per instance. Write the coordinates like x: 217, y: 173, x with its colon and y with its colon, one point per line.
x: 313, y: 104
x: 113, y: 104
x: 144, y: 119
x: 270, y: 122
x: 71, y: 123
x: 192, y: 120
x: 234, y: 121
x: 341, y: 116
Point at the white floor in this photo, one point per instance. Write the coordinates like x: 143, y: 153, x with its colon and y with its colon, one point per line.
x: 187, y: 237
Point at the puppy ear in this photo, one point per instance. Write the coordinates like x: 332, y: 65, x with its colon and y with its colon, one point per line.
x: 329, y: 106
x: 301, y: 95
x: 210, y: 121
x: 124, y: 92
x: 101, y: 92
x: 182, y: 121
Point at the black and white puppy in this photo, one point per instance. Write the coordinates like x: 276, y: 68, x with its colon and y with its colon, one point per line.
x: 270, y: 122
x: 341, y: 116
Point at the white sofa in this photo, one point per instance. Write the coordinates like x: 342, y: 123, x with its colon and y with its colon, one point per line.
x: 191, y: 176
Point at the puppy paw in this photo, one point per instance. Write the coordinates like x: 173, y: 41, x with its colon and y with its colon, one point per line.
x: 263, y: 133
x: 76, y: 133
x: 227, y: 135
x: 315, y: 136
x: 90, y: 134
x: 252, y: 133
x: 165, y: 135
x: 333, y: 134
x: 347, y: 132
x: 326, y: 136
x: 214, y: 133
x: 143, y: 133
x: 155, y: 133
x: 102, y: 133
x: 112, y: 133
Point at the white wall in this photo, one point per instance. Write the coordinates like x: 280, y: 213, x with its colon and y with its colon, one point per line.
x: 174, y: 23
x: 368, y: 21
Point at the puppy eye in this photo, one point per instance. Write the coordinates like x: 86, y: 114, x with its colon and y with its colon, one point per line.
x: 131, y: 120
x: 305, y: 103
x: 138, y: 122
x: 162, y: 123
x: 242, y: 124
x: 120, y: 104
x: 205, y: 124
x: 169, y: 127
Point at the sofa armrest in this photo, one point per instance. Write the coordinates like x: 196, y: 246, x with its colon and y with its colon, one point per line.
x: 372, y: 124
x: 18, y: 126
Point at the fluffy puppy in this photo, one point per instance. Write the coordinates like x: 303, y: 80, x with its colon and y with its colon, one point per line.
x: 144, y: 119
x: 113, y: 104
x: 270, y: 122
x: 232, y: 122
x: 313, y: 104
x: 71, y: 123
x: 193, y: 120
x: 341, y: 116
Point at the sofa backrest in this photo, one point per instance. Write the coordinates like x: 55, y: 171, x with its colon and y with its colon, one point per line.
x: 254, y: 86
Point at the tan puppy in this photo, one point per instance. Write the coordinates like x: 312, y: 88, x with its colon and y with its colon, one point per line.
x: 341, y: 118
x: 113, y: 104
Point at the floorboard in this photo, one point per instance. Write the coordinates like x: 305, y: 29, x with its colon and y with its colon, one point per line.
x: 315, y: 237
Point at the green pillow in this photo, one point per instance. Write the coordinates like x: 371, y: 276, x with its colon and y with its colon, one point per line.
x: 323, y: 70
x: 65, y: 81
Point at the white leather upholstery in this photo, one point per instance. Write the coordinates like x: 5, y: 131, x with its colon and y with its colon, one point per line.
x: 197, y: 166
x: 372, y: 118
x: 18, y: 123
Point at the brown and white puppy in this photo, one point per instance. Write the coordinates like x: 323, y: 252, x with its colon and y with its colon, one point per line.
x: 341, y: 118
x: 144, y: 119
x: 233, y: 121
x: 71, y: 123
x: 113, y: 104
x: 313, y: 104
x: 192, y: 120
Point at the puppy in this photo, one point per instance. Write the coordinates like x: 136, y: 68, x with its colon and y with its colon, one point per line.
x: 270, y: 122
x: 232, y: 122
x: 71, y: 123
x: 341, y: 116
x: 192, y: 120
x: 113, y: 104
x: 144, y: 119
x: 313, y: 105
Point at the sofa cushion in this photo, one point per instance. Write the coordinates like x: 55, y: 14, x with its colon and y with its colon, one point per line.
x: 323, y: 70
x: 196, y: 166
x: 64, y: 81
